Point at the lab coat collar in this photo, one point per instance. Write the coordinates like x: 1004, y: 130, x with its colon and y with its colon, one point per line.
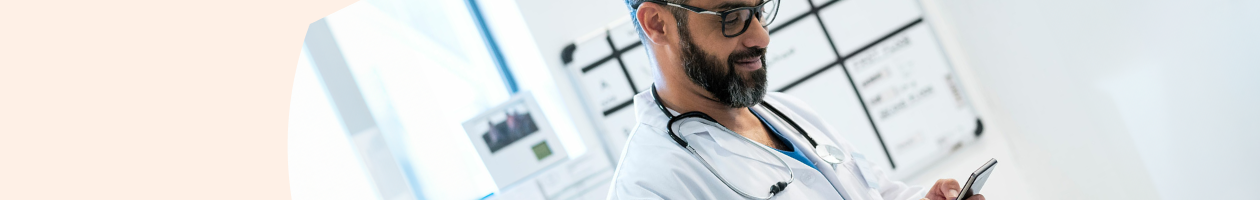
x: 646, y: 112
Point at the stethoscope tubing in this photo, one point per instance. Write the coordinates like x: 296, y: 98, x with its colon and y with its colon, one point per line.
x: 767, y: 105
x: 774, y: 189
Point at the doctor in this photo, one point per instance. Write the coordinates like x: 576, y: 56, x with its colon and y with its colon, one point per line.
x: 707, y: 129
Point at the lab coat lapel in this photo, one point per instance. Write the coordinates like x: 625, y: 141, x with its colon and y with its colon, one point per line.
x: 808, y: 184
x: 721, y: 142
x: 791, y: 134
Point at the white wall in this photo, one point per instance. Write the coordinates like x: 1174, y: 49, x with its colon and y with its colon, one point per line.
x: 1120, y: 99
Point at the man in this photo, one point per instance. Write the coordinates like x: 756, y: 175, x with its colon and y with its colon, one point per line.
x: 709, y: 56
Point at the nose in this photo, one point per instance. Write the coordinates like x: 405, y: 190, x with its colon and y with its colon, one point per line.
x: 756, y: 36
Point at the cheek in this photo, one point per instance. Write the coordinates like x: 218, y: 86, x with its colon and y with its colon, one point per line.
x: 711, y: 40
x: 720, y: 47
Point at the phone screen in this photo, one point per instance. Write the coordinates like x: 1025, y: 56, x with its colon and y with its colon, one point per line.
x: 976, y: 181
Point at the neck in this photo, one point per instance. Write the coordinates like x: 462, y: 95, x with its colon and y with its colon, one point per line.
x: 683, y: 101
x: 740, y: 120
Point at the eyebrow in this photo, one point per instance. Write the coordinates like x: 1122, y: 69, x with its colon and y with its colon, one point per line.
x: 732, y: 4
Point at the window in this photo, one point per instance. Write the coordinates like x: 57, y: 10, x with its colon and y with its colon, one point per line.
x: 423, y: 68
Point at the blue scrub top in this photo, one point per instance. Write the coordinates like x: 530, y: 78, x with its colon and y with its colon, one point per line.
x: 798, y: 155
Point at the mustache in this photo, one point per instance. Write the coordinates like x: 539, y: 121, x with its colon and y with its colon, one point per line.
x: 746, y: 53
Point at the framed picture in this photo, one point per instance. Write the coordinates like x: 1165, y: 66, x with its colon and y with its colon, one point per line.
x: 514, y: 140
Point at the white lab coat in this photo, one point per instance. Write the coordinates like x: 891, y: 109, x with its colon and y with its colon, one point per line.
x: 653, y: 166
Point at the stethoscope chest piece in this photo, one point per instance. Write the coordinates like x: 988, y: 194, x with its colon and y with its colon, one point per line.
x: 830, y: 153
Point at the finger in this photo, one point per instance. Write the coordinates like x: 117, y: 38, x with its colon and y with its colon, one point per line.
x: 976, y: 197
x: 935, y: 192
x: 948, y: 188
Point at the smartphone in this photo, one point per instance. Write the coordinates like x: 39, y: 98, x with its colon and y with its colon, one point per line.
x: 976, y: 181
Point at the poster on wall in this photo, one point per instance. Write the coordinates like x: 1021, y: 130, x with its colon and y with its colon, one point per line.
x: 514, y: 140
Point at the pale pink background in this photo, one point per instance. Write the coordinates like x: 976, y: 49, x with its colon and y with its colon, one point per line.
x: 148, y: 99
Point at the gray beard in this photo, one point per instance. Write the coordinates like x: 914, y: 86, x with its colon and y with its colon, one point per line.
x: 729, y: 88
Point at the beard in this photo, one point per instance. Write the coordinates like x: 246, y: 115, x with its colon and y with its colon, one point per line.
x: 728, y: 87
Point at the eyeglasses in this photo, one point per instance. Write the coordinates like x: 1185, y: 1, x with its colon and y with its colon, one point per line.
x: 735, y: 21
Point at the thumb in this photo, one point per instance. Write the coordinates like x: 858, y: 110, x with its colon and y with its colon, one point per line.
x: 976, y: 197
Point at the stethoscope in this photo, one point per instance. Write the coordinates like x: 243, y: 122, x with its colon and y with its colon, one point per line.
x: 828, y: 153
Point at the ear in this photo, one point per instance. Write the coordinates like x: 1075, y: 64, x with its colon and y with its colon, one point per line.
x: 655, y: 21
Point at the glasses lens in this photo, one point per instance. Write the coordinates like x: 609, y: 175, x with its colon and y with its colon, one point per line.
x: 768, y: 12
x: 735, y: 21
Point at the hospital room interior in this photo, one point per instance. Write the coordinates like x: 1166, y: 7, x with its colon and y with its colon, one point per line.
x: 537, y: 99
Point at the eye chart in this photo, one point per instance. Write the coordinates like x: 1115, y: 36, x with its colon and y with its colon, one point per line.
x: 873, y: 69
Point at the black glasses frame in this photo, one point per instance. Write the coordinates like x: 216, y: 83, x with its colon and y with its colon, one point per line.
x: 756, y: 13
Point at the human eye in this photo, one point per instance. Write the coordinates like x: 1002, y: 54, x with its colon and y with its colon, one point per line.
x: 735, y: 17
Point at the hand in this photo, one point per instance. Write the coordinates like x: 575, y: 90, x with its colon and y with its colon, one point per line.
x: 947, y: 189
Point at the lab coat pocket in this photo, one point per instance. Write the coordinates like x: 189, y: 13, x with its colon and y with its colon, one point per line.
x: 864, y: 167
x: 854, y: 179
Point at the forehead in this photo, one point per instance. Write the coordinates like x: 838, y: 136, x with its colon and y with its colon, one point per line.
x: 720, y: 5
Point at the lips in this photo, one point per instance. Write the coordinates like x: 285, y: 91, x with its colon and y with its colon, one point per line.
x: 749, y: 59
x: 749, y: 64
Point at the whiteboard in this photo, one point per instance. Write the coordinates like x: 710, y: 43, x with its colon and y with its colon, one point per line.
x: 873, y: 69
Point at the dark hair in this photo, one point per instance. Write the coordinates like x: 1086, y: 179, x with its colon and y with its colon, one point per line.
x: 679, y: 14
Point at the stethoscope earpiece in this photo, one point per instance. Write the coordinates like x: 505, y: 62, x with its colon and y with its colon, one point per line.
x: 778, y: 187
